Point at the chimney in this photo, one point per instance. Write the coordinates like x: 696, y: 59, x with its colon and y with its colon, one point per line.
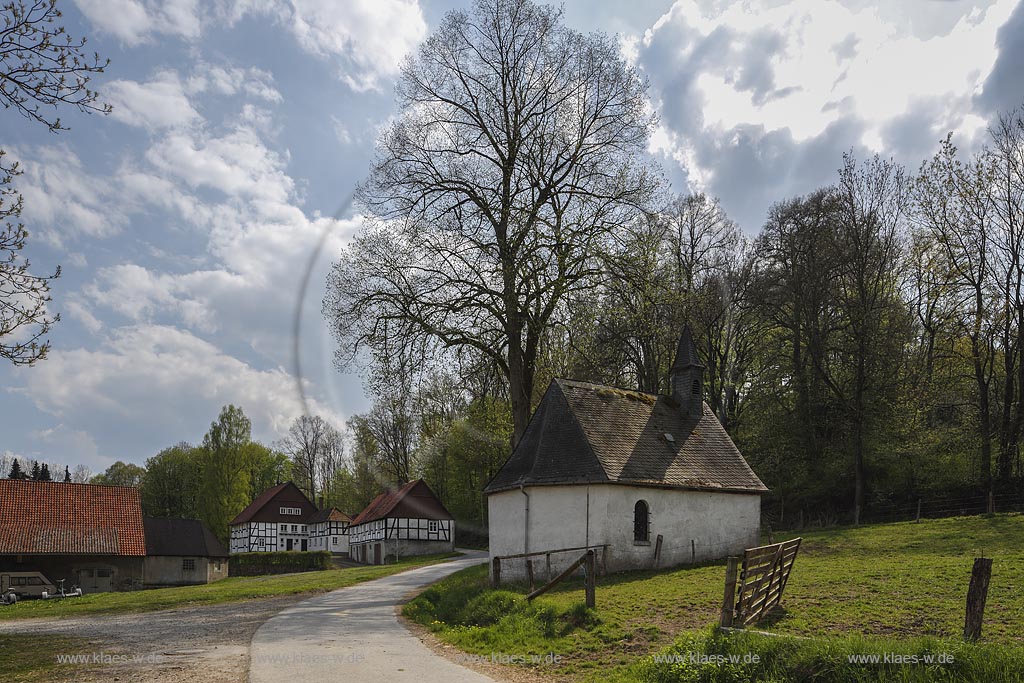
x: 686, y: 376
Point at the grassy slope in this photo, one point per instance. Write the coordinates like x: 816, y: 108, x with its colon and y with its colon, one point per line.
x: 33, y: 658
x: 227, y: 590
x: 887, y: 582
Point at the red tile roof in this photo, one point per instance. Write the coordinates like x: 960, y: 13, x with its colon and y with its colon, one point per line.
x: 54, y: 518
x: 415, y: 500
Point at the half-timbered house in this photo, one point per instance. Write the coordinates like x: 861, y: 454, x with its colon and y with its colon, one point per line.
x: 407, y: 521
x: 328, y: 530
x: 276, y: 520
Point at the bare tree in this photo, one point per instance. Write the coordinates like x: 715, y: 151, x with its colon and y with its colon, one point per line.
x: 317, y: 453
x: 513, y: 159
x: 42, y: 68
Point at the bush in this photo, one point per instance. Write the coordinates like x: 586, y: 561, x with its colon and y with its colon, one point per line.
x: 287, y: 562
x: 487, y: 608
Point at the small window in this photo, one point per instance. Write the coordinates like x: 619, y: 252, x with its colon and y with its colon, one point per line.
x: 261, y: 542
x: 284, y: 528
x: 188, y: 564
x: 295, y: 528
x: 641, y: 522
x: 696, y: 388
x: 432, y: 526
x: 102, y: 573
x: 334, y: 541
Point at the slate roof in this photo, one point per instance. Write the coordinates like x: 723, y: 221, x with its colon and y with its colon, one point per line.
x: 584, y: 433
x: 329, y: 515
x: 415, y: 500
x: 686, y: 352
x: 181, y: 537
x: 262, y: 500
x: 57, y: 518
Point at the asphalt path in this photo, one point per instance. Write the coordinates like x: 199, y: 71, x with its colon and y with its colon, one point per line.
x: 353, y: 635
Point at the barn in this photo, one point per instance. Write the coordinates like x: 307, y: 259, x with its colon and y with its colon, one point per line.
x: 408, y: 521
x: 86, y: 534
x: 647, y: 480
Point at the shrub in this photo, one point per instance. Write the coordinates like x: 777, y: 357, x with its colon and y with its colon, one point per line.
x: 258, y: 564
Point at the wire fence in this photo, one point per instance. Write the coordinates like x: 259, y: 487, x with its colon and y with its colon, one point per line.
x: 774, y: 517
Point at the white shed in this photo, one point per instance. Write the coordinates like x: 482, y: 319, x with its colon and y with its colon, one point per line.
x: 616, y: 470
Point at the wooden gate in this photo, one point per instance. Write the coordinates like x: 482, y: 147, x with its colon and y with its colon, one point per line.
x: 762, y: 579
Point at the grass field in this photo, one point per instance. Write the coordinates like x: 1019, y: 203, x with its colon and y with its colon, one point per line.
x: 227, y: 590
x: 885, y: 588
x: 30, y: 658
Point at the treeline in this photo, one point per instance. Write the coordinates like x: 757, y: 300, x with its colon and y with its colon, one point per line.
x: 864, y: 349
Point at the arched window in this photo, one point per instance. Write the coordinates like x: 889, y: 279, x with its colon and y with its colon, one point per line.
x: 641, y: 522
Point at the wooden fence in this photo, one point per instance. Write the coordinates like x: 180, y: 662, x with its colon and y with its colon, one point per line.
x: 761, y: 580
x: 588, y: 560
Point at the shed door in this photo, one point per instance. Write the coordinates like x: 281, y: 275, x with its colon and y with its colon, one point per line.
x: 94, y: 580
x: 376, y: 553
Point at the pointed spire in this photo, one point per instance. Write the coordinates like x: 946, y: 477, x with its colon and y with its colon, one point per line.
x: 686, y: 377
x: 686, y: 351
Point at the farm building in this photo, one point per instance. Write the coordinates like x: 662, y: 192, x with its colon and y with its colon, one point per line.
x: 328, y: 530
x: 647, y: 480
x: 408, y: 521
x: 96, y: 537
x: 88, y: 535
x: 283, y: 518
x: 181, y: 552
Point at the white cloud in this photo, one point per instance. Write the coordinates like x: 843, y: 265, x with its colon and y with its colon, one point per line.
x: 804, y: 79
x: 135, y: 21
x: 237, y: 164
x: 368, y: 39
x: 230, y: 80
x: 165, y: 378
x: 63, y: 199
x: 158, y: 103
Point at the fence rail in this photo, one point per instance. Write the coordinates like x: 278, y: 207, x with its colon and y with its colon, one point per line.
x: 776, y: 517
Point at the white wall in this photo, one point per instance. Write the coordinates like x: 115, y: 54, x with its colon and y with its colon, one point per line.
x: 717, y: 524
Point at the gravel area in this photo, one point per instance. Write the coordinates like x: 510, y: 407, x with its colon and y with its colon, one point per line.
x: 208, y: 643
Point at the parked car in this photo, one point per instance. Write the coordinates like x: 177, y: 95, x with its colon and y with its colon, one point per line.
x: 26, y: 584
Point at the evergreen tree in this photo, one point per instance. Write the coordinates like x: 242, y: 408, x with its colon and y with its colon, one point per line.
x: 67, y: 475
x: 44, y: 473
x: 16, y: 472
x: 35, y: 471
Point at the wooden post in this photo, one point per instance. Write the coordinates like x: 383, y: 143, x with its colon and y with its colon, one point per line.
x: 991, y: 508
x: 657, y: 549
x: 529, y: 573
x: 693, y: 551
x: 729, y: 601
x: 604, y: 559
x: 976, y: 595
x: 547, y: 568
x: 591, y: 578
x: 496, y: 572
x: 918, y: 518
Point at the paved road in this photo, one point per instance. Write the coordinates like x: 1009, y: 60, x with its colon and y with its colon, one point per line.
x: 353, y: 635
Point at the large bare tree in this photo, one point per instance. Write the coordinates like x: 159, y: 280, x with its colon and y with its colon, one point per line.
x: 514, y: 157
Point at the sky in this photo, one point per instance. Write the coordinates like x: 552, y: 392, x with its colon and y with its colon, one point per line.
x: 196, y: 223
